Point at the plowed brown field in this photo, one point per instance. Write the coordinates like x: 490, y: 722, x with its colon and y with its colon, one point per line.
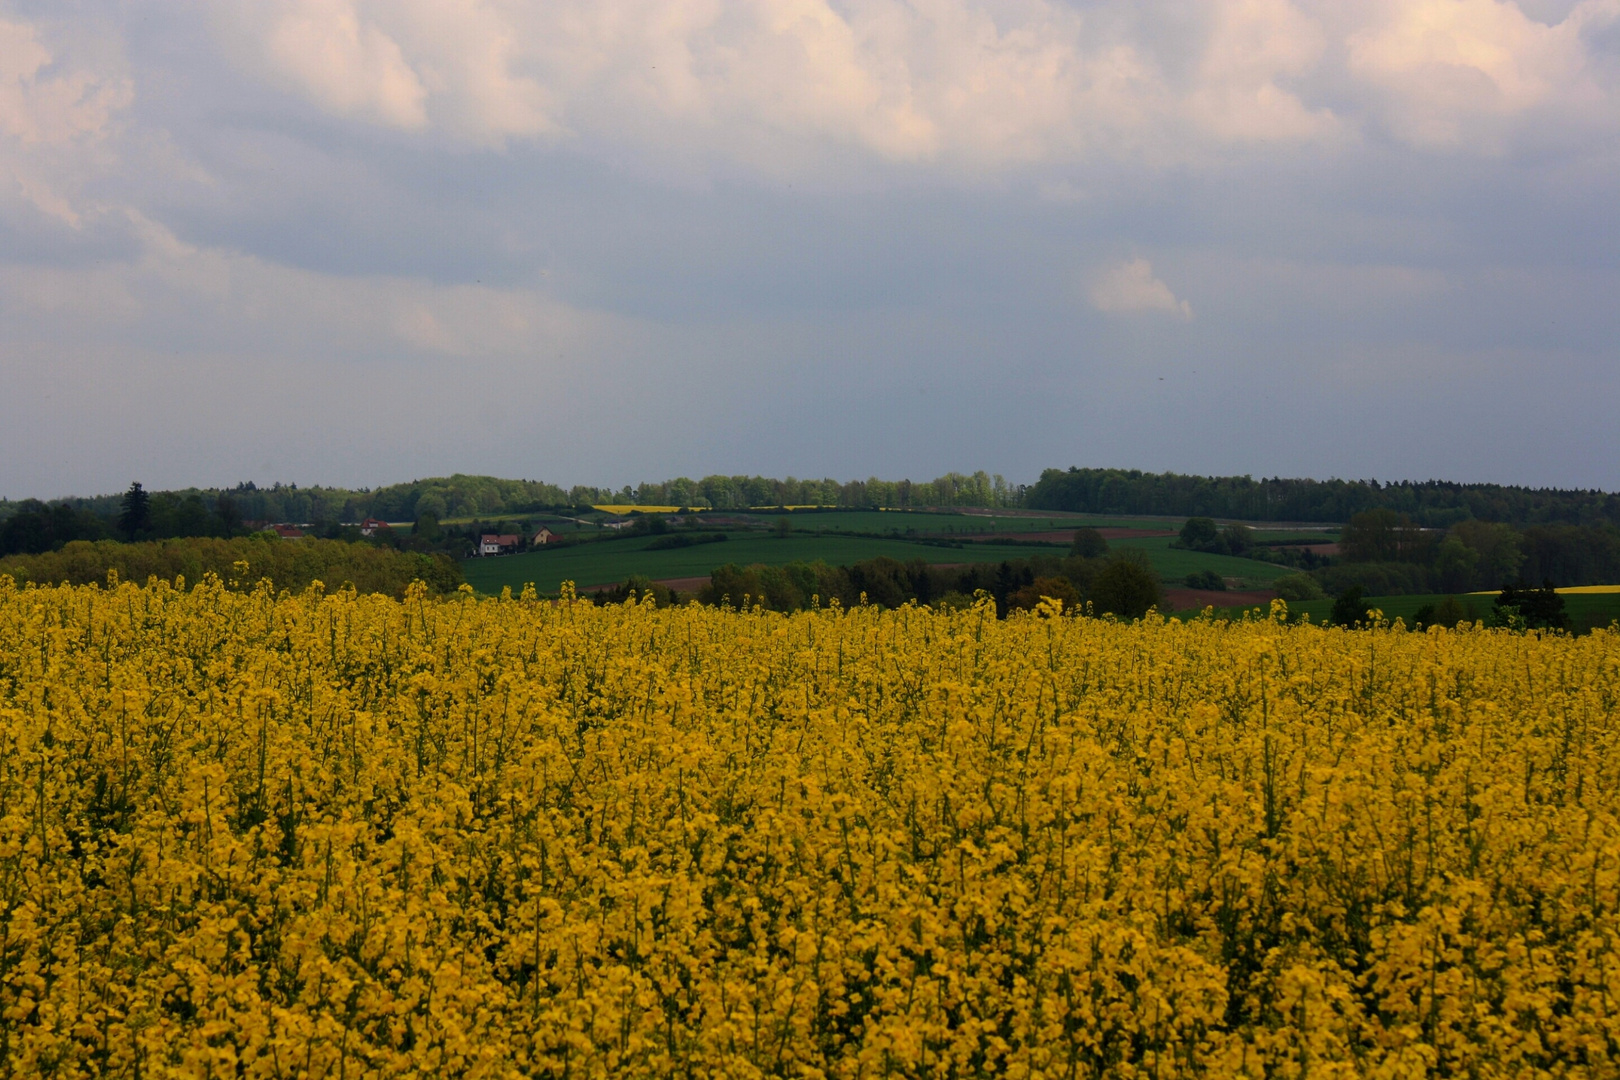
x: 1063, y: 536
x: 1198, y: 599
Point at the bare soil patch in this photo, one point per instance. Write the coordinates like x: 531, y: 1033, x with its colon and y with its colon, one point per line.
x: 1198, y: 599
x: 1063, y: 536
x: 1320, y: 549
x: 679, y: 584
x: 684, y: 584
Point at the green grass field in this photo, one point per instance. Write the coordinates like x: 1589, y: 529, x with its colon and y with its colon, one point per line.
x: 1174, y: 564
x: 936, y: 523
x: 884, y: 532
x: 933, y: 524
x: 612, y: 561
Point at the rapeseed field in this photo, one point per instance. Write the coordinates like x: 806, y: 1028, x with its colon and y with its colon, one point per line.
x: 247, y: 833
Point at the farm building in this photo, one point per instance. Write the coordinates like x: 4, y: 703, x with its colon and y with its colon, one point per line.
x: 373, y: 527
x: 544, y: 536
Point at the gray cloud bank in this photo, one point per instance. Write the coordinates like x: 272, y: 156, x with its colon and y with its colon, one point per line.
x: 353, y: 242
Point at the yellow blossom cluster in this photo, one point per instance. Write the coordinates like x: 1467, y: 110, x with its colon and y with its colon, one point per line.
x: 249, y: 833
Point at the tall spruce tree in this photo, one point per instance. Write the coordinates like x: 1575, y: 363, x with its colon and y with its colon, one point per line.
x: 135, y: 516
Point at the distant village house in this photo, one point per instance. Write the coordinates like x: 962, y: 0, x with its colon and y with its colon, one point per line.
x: 288, y: 532
x: 544, y: 536
x: 373, y: 527
x: 503, y: 544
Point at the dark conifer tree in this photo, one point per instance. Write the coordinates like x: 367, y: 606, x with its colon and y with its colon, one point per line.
x: 135, y: 517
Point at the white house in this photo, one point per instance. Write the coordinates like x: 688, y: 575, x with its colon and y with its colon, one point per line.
x: 503, y: 544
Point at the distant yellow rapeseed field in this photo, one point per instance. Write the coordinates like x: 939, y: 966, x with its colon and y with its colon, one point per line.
x: 245, y: 833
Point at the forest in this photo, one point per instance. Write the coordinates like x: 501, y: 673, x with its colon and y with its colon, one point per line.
x: 1429, y: 503
x: 461, y: 496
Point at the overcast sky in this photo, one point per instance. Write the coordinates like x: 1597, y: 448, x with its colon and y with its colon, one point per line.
x: 602, y: 241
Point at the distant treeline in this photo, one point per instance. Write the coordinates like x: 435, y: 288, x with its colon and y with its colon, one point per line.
x: 1430, y: 503
x: 734, y: 492
x: 32, y: 526
x: 462, y: 496
x: 452, y: 496
x: 290, y: 564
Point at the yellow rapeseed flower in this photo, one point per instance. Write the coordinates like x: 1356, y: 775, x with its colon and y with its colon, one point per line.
x: 250, y: 833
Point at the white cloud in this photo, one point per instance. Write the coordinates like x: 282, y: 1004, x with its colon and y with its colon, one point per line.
x: 53, y: 120
x: 981, y: 84
x: 346, y: 64
x: 51, y: 108
x: 1255, y: 45
x: 1461, y: 72
x: 790, y: 87
x: 1131, y: 288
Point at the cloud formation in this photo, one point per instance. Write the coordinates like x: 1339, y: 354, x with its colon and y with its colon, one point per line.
x: 1449, y: 73
x: 53, y: 120
x: 1131, y: 288
x: 348, y: 66
x: 979, y: 83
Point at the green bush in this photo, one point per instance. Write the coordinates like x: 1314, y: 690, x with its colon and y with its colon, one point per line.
x: 1449, y: 612
x: 1297, y: 587
x: 1530, y: 608
x: 1349, y: 609
x: 1375, y: 579
x: 1089, y: 544
x: 1125, y: 587
x: 1205, y: 579
x: 1200, y: 534
x: 1057, y: 588
x: 638, y: 587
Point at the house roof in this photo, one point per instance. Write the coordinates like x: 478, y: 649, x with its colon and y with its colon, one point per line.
x: 504, y: 539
